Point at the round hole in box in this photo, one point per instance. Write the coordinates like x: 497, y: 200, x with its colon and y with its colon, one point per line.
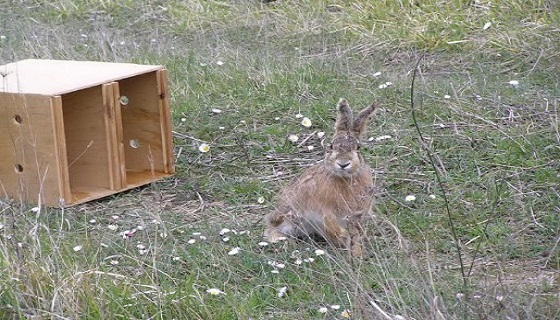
x: 134, y: 143
x: 18, y: 168
x: 17, y: 119
x: 124, y: 100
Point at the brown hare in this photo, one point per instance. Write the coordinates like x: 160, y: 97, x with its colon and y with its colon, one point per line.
x: 331, y: 197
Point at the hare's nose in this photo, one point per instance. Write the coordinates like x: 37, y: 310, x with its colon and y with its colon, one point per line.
x: 343, y: 165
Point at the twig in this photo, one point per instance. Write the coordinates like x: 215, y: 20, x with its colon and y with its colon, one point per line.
x: 437, y: 174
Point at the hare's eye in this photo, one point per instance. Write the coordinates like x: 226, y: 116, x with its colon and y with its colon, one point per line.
x: 358, y: 147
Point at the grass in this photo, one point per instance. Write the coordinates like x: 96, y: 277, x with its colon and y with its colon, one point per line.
x: 495, y: 145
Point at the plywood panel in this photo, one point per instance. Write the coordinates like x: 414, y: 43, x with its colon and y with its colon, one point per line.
x: 29, y: 155
x: 141, y: 123
x: 87, y: 141
x: 29, y: 76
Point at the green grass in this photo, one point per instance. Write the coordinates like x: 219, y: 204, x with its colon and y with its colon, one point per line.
x: 496, y: 147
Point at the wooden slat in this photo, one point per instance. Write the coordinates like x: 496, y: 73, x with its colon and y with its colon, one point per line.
x: 165, y: 122
x: 113, y: 159
x: 61, y: 156
x: 119, y: 135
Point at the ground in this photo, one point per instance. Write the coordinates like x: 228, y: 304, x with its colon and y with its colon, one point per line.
x: 466, y: 220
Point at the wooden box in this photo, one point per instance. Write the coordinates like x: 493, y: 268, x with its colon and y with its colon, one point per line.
x: 74, y: 131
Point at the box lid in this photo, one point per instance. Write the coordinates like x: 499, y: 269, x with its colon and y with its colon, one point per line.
x: 56, y: 77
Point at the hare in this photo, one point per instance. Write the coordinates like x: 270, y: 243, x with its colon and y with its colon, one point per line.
x: 331, y: 197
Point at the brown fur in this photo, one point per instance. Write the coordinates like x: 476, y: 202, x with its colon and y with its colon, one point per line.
x: 331, y: 197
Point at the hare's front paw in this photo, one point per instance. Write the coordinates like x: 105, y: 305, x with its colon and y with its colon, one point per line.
x: 273, y: 235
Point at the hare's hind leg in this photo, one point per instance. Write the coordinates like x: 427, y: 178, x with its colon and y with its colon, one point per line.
x: 279, y: 226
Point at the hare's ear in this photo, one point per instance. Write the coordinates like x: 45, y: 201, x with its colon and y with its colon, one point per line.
x: 362, y: 119
x: 344, y: 117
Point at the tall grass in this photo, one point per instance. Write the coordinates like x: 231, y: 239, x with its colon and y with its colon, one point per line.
x: 486, y: 102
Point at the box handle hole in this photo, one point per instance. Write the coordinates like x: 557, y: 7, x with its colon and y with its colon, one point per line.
x: 134, y: 143
x: 124, y: 100
x: 17, y: 119
x: 18, y: 168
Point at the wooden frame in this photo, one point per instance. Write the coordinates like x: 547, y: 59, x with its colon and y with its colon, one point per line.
x: 73, y: 131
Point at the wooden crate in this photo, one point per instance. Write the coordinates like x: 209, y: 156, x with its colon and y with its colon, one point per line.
x: 74, y: 131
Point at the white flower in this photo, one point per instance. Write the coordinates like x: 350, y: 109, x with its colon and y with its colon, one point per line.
x: 78, y: 248
x: 282, y: 292
x: 514, y: 83
x: 275, y: 271
x: 323, y: 310
x: 216, y: 110
x: 183, y: 119
x: 93, y: 221
x: 35, y: 209
x: 202, y: 237
x: 176, y: 258
x: 220, y: 62
x: 487, y: 25
x: 140, y: 246
x: 112, y: 227
x: 377, y: 74
x: 263, y: 244
x: 233, y: 251
x: 1, y: 226
x: 306, y: 122
x: 225, y: 239
x: 345, y: 314
x: 319, y: 252
x: 260, y: 200
x: 447, y: 96
x: 215, y: 291
x: 299, y: 116
x: 410, y: 198
x: 335, y: 307
x: 432, y: 196
x: 191, y: 241
x: 204, y: 147
x: 320, y: 134
x: 298, y: 261
x: 114, y: 262
x: 309, y: 260
x: 385, y: 85
x: 384, y: 137
x: 293, y: 138
x: 224, y: 231
x: 196, y: 234
x: 310, y: 148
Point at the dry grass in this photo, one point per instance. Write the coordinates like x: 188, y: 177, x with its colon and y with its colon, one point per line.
x: 496, y: 146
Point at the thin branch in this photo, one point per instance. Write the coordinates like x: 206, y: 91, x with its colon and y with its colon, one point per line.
x: 438, y: 176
